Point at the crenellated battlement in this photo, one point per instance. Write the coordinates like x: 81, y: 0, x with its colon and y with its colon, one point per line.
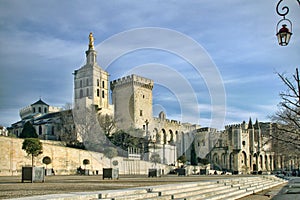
x: 25, y: 109
x: 132, y: 79
x: 234, y: 126
x: 174, y: 122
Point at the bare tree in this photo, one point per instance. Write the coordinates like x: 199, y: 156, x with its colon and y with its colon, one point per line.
x: 68, y: 106
x: 287, y: 118
x: 107, y: 123
x: 88, y: 128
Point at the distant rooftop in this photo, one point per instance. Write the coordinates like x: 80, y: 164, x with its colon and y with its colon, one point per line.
x: 39, y: 102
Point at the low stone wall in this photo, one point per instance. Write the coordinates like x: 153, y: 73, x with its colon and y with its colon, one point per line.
x: 65, y: 160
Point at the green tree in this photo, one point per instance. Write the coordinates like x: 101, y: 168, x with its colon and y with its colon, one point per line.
x: 203, y: 161
x: 47, y: 160
x: 155, y: 157
x: 194, y: 160
x: 28, y: 131
x: 86, y: 162
x: 182, y: 159
x: 33, y: 147
x: 110, y: 153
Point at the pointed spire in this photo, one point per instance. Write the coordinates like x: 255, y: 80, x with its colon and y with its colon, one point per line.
x: 256, y: 125
x: 250, y: 126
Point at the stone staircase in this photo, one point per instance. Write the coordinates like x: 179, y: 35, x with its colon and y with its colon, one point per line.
x: 228, y: 188
x: 231, y: 188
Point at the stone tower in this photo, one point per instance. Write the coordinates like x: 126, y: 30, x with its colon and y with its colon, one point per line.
x: 91, y: 81
x: 132, y: 99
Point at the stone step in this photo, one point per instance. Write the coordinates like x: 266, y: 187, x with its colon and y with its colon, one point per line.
x: 148, y: 195
x: 238, y: 180
x: 245, y: 184
x: 233, y: 188
x: 225, y: 195
x: 237, y: 196
x: 171, y: 193
x: 212, y: 189
x: 107, y: 194
x: 206, y: 195
x: 189, y: 189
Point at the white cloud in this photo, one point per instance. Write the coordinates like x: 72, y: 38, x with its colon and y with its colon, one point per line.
x: 47, y: 44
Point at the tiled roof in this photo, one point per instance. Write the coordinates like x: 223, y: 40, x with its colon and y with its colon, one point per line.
x: 39, y: 102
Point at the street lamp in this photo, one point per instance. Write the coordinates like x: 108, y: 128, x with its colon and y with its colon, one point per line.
x: 285, y: 32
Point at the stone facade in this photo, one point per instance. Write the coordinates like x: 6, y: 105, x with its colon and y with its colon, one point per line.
x: 247, y: 148
x: 65, y: 160
x: 91, y: 81
x: 241, y: 148
x: 43, y: 117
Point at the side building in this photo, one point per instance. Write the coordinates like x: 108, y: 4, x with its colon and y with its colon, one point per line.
x: 47, y: 120
x: 248, y: 148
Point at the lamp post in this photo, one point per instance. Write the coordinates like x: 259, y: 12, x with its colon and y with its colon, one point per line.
x: 285, y: 32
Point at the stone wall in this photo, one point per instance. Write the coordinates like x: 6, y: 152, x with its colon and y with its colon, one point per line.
x: 65, y: 160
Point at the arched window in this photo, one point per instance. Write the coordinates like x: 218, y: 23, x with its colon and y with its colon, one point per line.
x: 103, y: 84
x: 45, y: 110
x: 40, y: 109
x: 81, y: 94
x: 103, y: 94
x: 98, y: 92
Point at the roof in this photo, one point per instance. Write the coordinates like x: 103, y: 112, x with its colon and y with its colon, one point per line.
x: 39, y: 102
x: 48, y: 115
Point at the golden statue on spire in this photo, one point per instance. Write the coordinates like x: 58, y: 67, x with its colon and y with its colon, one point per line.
x: 91, y: 43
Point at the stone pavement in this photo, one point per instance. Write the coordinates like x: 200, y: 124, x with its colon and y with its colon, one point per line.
x: 11, y: 187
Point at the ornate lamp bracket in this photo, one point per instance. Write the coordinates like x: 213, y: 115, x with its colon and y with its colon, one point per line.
x: 285, y: 32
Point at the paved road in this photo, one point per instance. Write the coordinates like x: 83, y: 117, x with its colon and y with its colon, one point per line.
x: 11, y: 187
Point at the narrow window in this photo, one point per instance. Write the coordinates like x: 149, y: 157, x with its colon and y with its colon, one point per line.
x: 103, y: 84
x: 87, y: 91
x: 103, y: 94
x: 45, y: 110
x: 141, y: 112
x: 40, y: 130
x: 52, y: 130
x: 80, y: 83
x: 34, y: 110
x: 81, y: 94
x: 98, y: 82
x: 98, y: 92
x: 87, y: 81
x: 40, y: 109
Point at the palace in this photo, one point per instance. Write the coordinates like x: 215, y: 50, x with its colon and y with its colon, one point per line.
x: 241, y: 148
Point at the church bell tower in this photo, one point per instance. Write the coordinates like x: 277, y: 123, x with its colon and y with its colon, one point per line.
x: 91, y: 81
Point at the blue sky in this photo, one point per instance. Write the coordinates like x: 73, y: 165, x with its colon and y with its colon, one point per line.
x: 43, y: 42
